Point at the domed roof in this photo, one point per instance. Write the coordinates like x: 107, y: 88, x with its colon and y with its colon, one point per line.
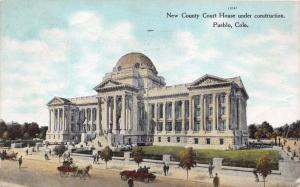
x: 135, y: 60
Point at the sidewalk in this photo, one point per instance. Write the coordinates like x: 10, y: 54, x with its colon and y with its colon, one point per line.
x: 230, y: 178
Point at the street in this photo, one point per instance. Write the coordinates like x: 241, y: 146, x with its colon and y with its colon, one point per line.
x: 37, y: 173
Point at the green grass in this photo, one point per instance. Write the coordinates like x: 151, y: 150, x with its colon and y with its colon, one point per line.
x: 239, y: 158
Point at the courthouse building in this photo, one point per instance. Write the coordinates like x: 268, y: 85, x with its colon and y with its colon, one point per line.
x: 133, y: 105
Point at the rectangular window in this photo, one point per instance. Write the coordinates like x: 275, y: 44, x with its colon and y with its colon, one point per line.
x: 197, y: 100
x: 210, y: 111
x: 159, y: 139
x: 169, y: 110
x: 169, y: 139
x: 196, y: 141
x: 223, y: 110
x: 208, y: 126
x: 159, y: 126
x: 187, y: 109
x: 178, y: 126
x: 221, y: 141
x: 187, y: 124
x: 178, y: 139
x: 197, y: 125
x: 207, y: 140
x: 222, y: 98
x: 209, y: 99
x: 152, y: 111
x: 169, y: 126
x: 222, y: 125
x: 160, y: 110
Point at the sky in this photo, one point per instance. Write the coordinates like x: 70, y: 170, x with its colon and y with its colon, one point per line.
x: 60, y: 48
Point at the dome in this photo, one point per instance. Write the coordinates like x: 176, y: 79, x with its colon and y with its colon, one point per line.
x: 135, y: 60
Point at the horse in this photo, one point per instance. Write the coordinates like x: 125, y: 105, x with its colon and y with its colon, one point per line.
x: 12, y: 156
x: 84, y: 172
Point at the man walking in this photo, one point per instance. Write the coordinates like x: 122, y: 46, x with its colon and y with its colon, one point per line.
x: 27, y: 152
x: 165, y: 169
x: 20, y: 161
x: 216, y: 181
x: 210, y: 170
x: 130, y: 182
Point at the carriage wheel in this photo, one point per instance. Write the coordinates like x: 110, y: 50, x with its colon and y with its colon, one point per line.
x: 61, y: 173
x: 146, y: 179
x: 124, y: 177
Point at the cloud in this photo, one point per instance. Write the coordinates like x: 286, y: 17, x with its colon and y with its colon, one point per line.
x: 190, y: 47
x: 58, y: 61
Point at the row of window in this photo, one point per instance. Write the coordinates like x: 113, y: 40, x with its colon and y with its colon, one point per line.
x: 178, y: 109
x: 85, y: 114
x: 197, y: 124
x: 196, y: 140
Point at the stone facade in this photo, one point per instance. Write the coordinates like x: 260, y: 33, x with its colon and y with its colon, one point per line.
x: 133, y: 105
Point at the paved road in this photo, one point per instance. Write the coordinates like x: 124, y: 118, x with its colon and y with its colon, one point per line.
x: 36, y: 173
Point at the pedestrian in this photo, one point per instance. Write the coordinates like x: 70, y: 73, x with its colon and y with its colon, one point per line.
x: 50, y: 152
x: 27, y: 152
x: 98, y: 157
x: 46, y: 156
x: 20, y: 161
x: 94, y: 158
x: 210, y: 170
x: 216, y: 181
x: 130, y: 182
x: 165, y: 169
x: 256, y: 176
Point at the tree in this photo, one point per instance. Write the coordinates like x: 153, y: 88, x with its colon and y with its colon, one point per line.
x: 6, y: 135
x: 106, y: 155
x: 264, y: 167
x: 60, y: 149
x: 3, y: 128
x: 138, y: 154
x: 252, y: 129
x: 187, y: 160
x: 258, y: 135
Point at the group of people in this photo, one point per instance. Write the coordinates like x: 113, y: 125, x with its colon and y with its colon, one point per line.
x: 96, y: 158
x: 166, y: 169
x: 144, y: 169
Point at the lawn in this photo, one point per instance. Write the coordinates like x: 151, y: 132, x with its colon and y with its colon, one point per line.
x: 239, y: 158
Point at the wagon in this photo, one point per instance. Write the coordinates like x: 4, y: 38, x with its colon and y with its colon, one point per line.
x: 65, y: 170
x: 137, y: 175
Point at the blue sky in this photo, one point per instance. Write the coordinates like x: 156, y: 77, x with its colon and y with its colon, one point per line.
x: 63, y: 48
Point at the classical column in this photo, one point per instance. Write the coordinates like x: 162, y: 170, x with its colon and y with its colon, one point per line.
x: 214, y: 112
x: 204, y: 113
x: 109, y: 105
x: 50, y: 120
x: 217, y: 111
x: 201, y: 113
x: 164, y: 116
x: 155, y: 117
x: 240, y: 113
x: 58, y: 119
x: 63, y: 119
x: 191, y: 113
x: 115, y: 113
x: 227, y: 110
x: 123, y: 115
x: 173, y: 115
x: 182, y: 114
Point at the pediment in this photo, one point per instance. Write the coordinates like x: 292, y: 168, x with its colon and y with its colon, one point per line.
x: 208, y: 80
x: 57, y: 101
x: 107, y: 84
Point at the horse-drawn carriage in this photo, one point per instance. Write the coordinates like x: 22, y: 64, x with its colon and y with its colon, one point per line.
x: 8, y: 156
x: 69, y: 168
x: 142, y: 174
